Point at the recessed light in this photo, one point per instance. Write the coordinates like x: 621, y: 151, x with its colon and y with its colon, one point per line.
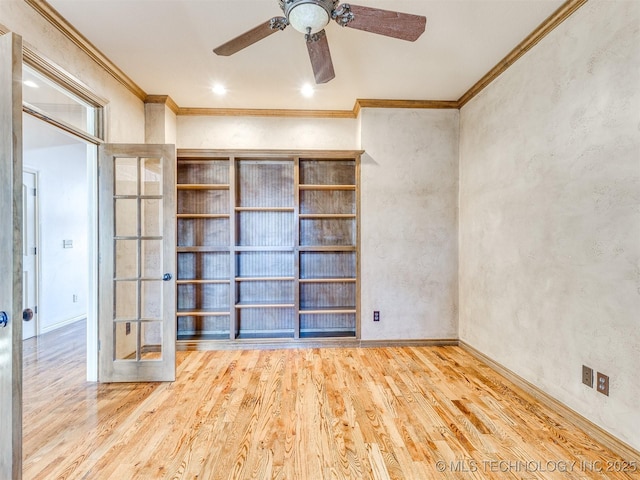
x: 307, y: 90
x: 219, y: 89
x: 31, y: 83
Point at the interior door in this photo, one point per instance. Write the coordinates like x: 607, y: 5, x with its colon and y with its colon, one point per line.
x: 29, y: 255
x: 137, y: 322
x: 10, y: 256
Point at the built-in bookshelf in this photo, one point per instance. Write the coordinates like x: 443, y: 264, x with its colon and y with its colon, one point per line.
x: 267, y: 245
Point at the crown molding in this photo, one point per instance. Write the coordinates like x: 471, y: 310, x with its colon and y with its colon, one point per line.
x: 250, y: 112
x: 549, y: 24
x: 359, y: 104
x: 164, y: 100
x: 55, y: 19
x: 377, y: 103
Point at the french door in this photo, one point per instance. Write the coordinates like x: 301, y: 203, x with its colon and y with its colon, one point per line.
x: 10, y: 256
x: 137, y: 326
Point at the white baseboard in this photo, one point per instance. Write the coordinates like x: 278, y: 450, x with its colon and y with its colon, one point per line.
x: 63, y: 323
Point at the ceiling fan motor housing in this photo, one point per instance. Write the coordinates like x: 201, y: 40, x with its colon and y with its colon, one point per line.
x: 308, y: 16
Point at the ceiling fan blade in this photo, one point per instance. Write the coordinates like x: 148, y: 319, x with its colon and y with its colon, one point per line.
x: 320, y: 56
x: 252, y: 36
x: 404, y: 26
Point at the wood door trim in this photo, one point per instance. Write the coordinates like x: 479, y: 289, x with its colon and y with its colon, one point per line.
x: 11, y: 247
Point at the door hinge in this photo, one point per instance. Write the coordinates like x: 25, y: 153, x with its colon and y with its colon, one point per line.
x: 35, y: 250
x: 35, y: 192
x: 35, y: 309
x: 99, y: 345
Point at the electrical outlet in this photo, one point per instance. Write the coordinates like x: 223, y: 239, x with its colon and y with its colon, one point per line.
x: 587, y: 376
x: 127, y: 328
x: 603, y: 384
x: 376, y: 316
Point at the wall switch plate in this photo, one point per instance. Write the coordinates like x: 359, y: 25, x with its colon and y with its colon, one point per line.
x: 587, y: 376
x: 376, y: 316
x: 602, y: 384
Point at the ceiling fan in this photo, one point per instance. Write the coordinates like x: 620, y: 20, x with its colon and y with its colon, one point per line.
x: 311, y: 16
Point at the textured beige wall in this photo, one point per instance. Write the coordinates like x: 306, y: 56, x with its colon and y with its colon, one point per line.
x: 125, y: 111
x: 550, y: 217
x: 160, y: 124
x: 266, y: 133
x: 155, y: 122
x: 409, y: 232
x: 170, y: 126
x: 408, y: 199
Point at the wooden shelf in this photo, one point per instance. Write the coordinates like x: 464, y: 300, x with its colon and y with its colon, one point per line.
x: 327, y: 248
x: 203, y: 313
x: 327, y: 310
x: 328, y: 280
x: 203, y: 282
x: 327, y: 333
x: 202, y: 186
x: 327, y: 187
x: 183, y: 337
x: 247, y: 248
x: 327, y: 215
x: 265, y: 305
x: 264, y: 279
x: 271, y: 334
x: 265, y: 209
x: 203, y: 215
x: 202, y: 249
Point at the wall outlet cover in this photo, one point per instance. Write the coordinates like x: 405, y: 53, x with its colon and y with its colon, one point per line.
x: 602, y: 384
x: 587, y: 376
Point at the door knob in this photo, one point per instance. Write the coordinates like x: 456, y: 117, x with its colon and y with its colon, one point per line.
x: 166, y: 277
x: 27, y: 314
x: 4, y: 319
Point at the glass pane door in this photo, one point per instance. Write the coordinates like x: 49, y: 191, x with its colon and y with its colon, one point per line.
x: 137, y: 208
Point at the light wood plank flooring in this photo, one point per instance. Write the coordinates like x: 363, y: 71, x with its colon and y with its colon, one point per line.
x: 295, y: 414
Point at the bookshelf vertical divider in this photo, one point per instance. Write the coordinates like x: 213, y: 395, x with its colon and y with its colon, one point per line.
x: 233, y: 320
x: 268, y: 245
x: 296, y: 245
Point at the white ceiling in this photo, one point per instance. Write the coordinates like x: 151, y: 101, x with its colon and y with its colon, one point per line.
x: 38, y: 134
x: 166, y: 48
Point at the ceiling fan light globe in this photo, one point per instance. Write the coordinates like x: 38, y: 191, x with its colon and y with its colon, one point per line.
x: 305, y: 16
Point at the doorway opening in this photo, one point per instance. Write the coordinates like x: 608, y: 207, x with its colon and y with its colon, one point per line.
x: 58, y: 248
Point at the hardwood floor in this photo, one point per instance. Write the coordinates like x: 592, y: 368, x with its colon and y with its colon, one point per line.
x: 308, y: 414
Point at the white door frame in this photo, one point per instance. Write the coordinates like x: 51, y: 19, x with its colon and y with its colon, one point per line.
x: 94, y: 255
x: 38, y: 265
